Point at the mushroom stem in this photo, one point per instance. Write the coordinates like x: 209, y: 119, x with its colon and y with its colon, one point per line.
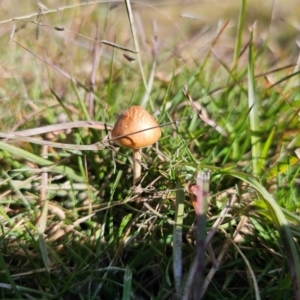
x: 137, y: 167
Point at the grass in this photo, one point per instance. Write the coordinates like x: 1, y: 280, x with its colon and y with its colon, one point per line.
x: 226, y: 92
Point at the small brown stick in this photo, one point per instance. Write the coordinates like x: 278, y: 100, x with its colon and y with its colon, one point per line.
x: 195, y: 279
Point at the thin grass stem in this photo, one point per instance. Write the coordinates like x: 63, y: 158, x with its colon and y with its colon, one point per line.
x: 253, y: 112
x: 136, y: 43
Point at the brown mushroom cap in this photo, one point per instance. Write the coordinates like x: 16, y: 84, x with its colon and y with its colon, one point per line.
x: 135, y: 119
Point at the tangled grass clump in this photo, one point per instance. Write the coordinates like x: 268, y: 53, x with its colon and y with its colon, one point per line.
x: 225, y: 94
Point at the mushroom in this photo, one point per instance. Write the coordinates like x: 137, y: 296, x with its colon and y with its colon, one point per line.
x: 136, y: 129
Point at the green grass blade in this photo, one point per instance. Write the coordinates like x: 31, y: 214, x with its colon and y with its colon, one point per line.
x: 253, y: 113
x: 127, y: 283
x: 265, y: 151
x: 44, y: 252
x: 238, y: 42
x: 8, y: 277
x: 14, y: 188
x: 61, y: 102
x: 81, y: 103
x: 40, y: 161
x: 41, y: 227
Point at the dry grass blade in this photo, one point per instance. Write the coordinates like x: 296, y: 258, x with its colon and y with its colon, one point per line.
x: 95, y: 63
x: 203, y: 116
x: 64, y: 126
x: 24, y: 135
x: 136, y: 43
x: 15, y: 137
x: 220, y: 219
x: 50, y: 11
x: 146, y: 96
x: 41, y: 223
